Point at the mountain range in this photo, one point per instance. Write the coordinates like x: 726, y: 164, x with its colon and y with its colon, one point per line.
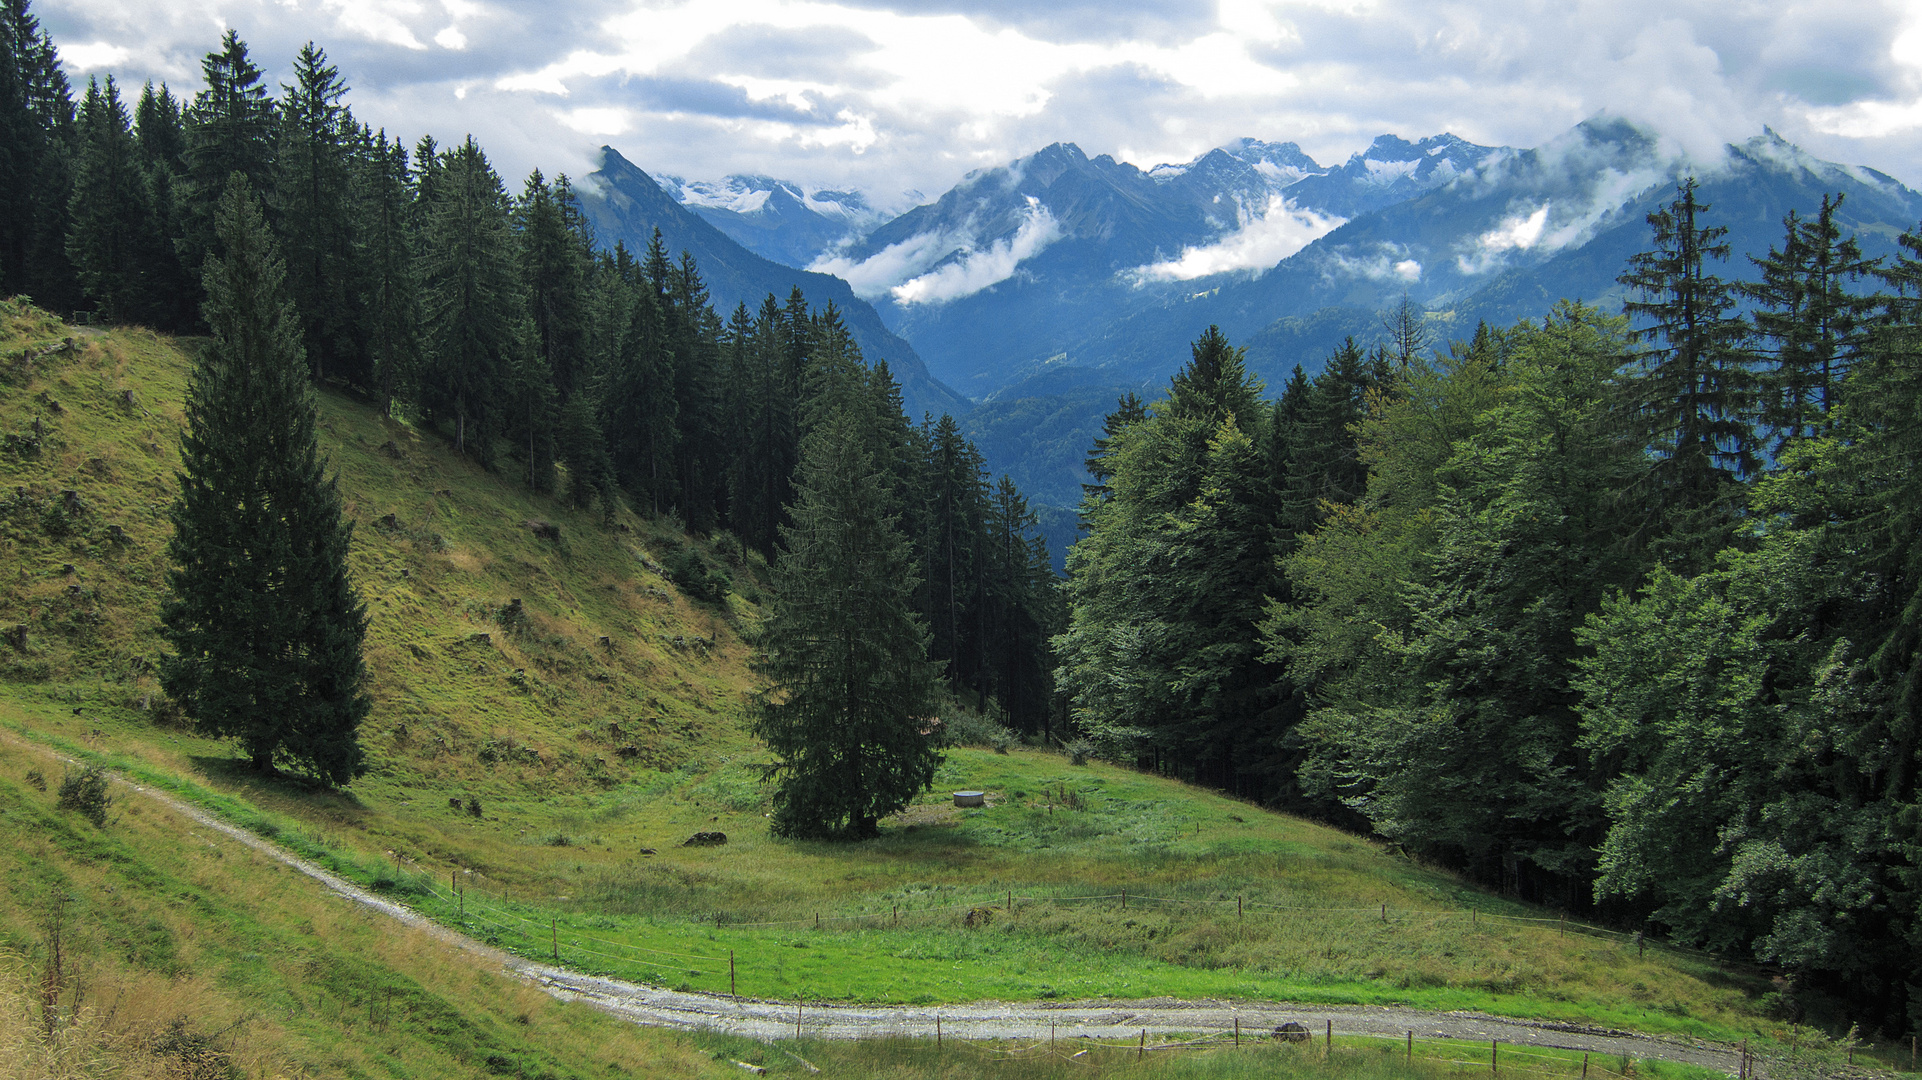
x: 626, y: 205
x: 1041, y: 289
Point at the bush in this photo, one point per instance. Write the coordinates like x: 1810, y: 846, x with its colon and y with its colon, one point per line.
x: 962, y: 726
x: 86, y: 792
x: 696, y: 581
x: 1079, y: 751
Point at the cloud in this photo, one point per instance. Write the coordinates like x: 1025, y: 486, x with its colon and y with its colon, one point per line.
x: 1264, y: 238
x: 888, y: 95
x: 1386, y: 263
x: 938, y: 266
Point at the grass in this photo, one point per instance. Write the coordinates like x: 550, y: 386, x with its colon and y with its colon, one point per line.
x: 534, y: 769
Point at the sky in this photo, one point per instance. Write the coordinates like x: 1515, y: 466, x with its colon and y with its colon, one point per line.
x: 901, y: 98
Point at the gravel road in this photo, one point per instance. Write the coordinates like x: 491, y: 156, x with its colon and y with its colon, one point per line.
x: 1160, y: 1018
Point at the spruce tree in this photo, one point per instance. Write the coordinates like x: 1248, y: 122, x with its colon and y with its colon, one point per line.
x: 230, y: 129
x: 313, y: 197
x: 1692, y: 390
x: 474, y: 311
x: 850, y: 701
x: 1812, y: 321
x: 115, y: 243
x: 36, y: 163
x: 265, y: 627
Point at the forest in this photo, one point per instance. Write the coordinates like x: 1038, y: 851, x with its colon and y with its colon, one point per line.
x: 423, y: 284
x: 1619, y: 611
x: 1614, y: 611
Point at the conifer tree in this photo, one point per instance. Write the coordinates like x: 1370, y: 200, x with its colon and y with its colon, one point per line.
x: 115, y: 243
x: 473, y: 309
x: 265, y: 627
x: 1692, y: 390
x: 36, y: 163
x: 1812, y: 321
x: 389, y: 271
x: 230, y: 129
x: 313, y: 200
x: 850, y: 701
x: 161, y: 135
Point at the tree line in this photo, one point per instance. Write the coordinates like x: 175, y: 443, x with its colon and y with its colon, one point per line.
x: 418, y: 281
x: 1612, y: 611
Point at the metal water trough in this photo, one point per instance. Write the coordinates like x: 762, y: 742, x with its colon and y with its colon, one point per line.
x: 970, y: 798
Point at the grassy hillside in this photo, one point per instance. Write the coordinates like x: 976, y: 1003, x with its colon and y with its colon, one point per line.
x: 547, y: 758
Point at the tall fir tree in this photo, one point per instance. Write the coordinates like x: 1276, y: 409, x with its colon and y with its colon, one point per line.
x: 161, y: 134
x: 1692, y: 389
x: 849, y: 710
x: 36, y: 163
x: 473, y: 311
x: 115, y: 243
x: 314, y: 204
x: 231, y: 128
x: 1813, y: 318
x: 265, y: 626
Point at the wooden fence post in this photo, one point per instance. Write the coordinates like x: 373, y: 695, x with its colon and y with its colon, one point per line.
x: 1237, y: 1031
x: 1328, y: 1044
x: 1494, y: 1055
x: 730, y: 975
x: 1143, y: 1047
x: 1584, y: 1067
x: 937, y: 1031
x: 555, y: 930
x: 1411, y: 1046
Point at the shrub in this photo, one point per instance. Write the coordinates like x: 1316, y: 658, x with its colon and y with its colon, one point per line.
x: 962, y: 726
x: 86, y: 792
x: 1079, y: 751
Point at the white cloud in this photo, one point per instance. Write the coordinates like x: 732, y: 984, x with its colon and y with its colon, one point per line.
x: 918, y: 96
x: 382, y: 21
x: 1380, y: 265
x: 1263, y: 239
x: 972, y: 271
x: 936, y: 267
x: 94, y: 56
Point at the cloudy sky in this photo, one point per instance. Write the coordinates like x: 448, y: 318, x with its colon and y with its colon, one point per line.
x: 894, y: 96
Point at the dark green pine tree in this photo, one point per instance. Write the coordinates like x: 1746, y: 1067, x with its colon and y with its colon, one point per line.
x: 314, y: 207
x: 230, y: 129
x: 1812, y: 322
x: 388, y: 269
x: 265, y: 627
x: 474, y: 319
x: 638, y: 409
x: 849, y: 710
x: 1128, y: 411
x: 1692, y: 391
x: 694, y: 341
x: 115, y: 243
x: 36, y: 163
x: 161, y: 134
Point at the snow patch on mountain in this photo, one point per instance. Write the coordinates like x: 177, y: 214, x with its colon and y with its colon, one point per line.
x: 1264, y: 237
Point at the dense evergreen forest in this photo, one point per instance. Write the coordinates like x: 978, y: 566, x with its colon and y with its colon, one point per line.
x: 1606, y: 610
x: 423, y: 284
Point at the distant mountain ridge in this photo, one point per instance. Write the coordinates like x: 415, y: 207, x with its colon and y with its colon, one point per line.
x: 1045, y: 287
x: 624, y: 203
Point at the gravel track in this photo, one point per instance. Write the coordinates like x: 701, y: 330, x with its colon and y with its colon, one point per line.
x: 1160, y: 1018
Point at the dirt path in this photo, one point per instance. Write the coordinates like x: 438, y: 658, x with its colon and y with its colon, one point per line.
x: 1160, y: 1018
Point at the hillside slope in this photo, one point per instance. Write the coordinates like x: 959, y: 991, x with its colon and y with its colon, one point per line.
x: 502, y: 663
